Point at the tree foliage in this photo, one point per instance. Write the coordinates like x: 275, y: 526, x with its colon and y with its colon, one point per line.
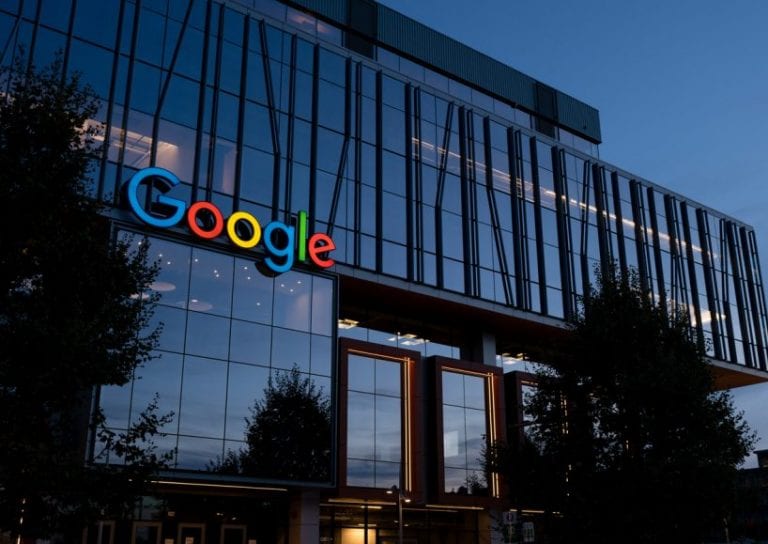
x: 641, y: 446
x: 288, y: 435
x: 70, y: 312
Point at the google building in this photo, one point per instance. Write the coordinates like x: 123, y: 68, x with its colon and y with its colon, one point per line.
x: 344, y: 200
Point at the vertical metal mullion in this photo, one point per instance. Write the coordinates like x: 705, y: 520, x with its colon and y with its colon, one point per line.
x: 418, y: 188
x: 517, y: 203
x: 409, y: 182
x: 70, y: 32
x: 201, y: 101
x: 636, y: 197
x: 287, y: 203
x: 584, y: 238
x: 344, y: 148
x: 379, y: 173
x: 563, y: 231
x: 33, y: 41
x: 757, y: 337
x: 241, y: 112
x: 215, y: 105
x: 709, y: 282
x: 312, y: 212
x: 619, y: 222
x: 603, y: 231
x: 439, y: 196
x: 273, y: 118
x: 467, y: 222
x: 128, y: 90
x: 762, y: 324
x: 690, y: 258
x: 725, y: 292
x: 542, y: 279
x: 14, y: 33
x: 737, y: 287
x: 358, y: 161
x: 657, y: 249
x: 110, y: 100
x: 498, y: 237
x: 166, y: 85
x: 677, y: 288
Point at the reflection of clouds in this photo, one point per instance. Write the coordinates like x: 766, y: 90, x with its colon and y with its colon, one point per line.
x: 751, y: 400
x: 196, y: 453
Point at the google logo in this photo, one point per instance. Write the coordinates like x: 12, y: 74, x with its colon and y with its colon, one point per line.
x: 206, y: 221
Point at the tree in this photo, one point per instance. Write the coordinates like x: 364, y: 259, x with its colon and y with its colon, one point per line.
x: 627, y: 419
x: 288, y: 435
x: 71, y: 313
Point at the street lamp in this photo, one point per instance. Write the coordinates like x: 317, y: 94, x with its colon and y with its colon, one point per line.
x: 397, y: 492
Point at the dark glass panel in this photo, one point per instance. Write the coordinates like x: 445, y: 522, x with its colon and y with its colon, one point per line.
x: 172, y: 324
x: 207, y: 335
x: 188, y: 61
x: 96, y: 21
x: 49, y: 44
x: 197, y: 454
x: 293, y: 293
x: 162, y: 377
x: 320, y: 356
x: 387, y: 429
x: 203, y: 397
x: 331, y: 106
x: 245, y: 386
x: 176, y: 149
x: 290, y: 349
x: 257, y: 130
x: 257, y: 176
x: 211, y: 282
x: 250, y: 343
x: 231, y: 62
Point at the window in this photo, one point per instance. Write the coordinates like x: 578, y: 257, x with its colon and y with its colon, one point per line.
x: 377, y: 419
x: 468, y: 422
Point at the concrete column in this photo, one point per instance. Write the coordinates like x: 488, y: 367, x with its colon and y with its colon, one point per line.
x: 481, y: 348
x: 304, y: 518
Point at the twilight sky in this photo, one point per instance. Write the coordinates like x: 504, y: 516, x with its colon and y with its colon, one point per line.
x: 682, y: 89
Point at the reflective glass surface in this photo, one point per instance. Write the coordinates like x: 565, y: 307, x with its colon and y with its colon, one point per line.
x: 233, y: 343
x: 374, y: 420
x: 464, y: 432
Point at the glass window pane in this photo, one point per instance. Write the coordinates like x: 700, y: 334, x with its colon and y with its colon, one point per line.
x: 474, y: 392
x: 388, y: 377
x: 162, y: 377
x: 290, y: 349
x: 211, y: 282
x: 252, y: 298
x: 245, y: 386
x: 453, y: 388
x: 203, y: 395
x: 360, y: 431
x: 388, y: 429
x: 361, y: 373
x: 292, y: 301
x: 250, y: 343
x: 207, y: 335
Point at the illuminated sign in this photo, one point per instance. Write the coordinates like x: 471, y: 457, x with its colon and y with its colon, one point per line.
x: 282, y: 243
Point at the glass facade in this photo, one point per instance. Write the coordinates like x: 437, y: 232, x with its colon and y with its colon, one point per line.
x: 227, y: 333
x: 415, y: 174
x: 465, y: 428
x: 374, y: 422
x: 449, y: 207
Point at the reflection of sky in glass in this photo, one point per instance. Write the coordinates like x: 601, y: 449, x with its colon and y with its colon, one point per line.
x: 464, y: 429
x: 228, y: 361
x: 203, y: 394
x: 374, y: 420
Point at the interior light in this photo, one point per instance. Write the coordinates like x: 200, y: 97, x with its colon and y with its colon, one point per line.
x: 162, y: 286
x: 347, y: 323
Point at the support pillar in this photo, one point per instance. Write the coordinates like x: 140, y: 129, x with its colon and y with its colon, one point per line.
x: 304, y: 518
